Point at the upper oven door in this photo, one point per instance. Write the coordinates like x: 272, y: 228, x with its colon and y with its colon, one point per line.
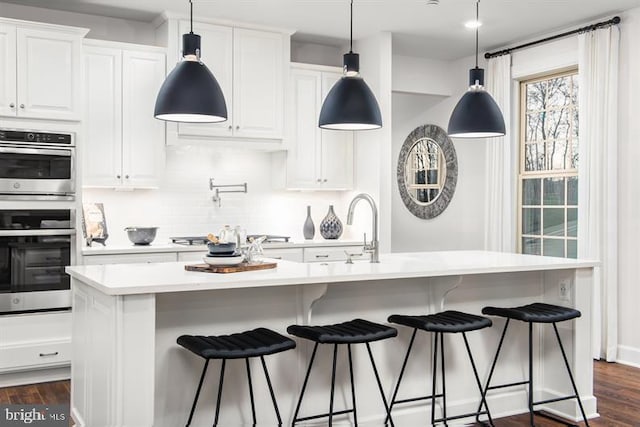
x: 36, y: 171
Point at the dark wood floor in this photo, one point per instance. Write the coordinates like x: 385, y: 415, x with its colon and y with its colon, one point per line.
x: 617, y: 388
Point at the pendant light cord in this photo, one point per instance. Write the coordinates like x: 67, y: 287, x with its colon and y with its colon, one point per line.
x: 351, y: 34
x: 477, y: 28
x: 191, y: 17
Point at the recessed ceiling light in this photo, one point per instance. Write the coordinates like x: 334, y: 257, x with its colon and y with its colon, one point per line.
x: 436, y: 2
x: 473, y: 24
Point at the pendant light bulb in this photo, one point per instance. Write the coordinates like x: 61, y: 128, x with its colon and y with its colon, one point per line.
x: 477, y: 114
x: 191, y: 93
x: 350, y: 104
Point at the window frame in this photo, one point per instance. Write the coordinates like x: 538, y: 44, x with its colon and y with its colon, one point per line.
x: 522, y: 174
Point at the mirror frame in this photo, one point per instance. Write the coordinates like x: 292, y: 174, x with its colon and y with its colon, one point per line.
x: 441, y: 138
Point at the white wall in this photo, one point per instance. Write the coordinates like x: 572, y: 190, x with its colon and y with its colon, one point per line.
x: 314, y: 53
x: 423, y: 75
x: 461, y: 225
x: 101, y: 27
x: 628, y: 189
x: 182, y: 206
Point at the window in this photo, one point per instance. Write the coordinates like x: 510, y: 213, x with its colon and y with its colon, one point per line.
x: 548, y: 178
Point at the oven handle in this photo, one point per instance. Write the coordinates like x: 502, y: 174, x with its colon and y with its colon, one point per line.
x: 42, y: 151
x: 43, y: 232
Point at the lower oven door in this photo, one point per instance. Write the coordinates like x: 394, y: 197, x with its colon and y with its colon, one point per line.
x: 32, y: 276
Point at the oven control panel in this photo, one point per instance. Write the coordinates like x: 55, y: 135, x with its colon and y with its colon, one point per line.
x: 35, y: 137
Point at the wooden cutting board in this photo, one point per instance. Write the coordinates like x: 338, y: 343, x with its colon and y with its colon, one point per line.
x: 206, y: 268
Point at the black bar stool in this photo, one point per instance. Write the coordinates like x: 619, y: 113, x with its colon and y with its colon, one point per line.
x: 357, y: 331
x: 535, y: 313
x: 447, y: 322
x: 256, y: 343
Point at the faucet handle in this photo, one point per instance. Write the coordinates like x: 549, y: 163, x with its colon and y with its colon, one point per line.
x: 365, y: 239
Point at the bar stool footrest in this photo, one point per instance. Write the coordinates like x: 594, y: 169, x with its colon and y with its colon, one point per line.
x: 315, y: 417
x: 555, y: 399
x: 415, y: 399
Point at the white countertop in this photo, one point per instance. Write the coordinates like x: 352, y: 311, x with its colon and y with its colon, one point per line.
x: 172, y: 247
x: 131, y: 279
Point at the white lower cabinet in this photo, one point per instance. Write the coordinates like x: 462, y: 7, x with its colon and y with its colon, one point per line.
x: 124, y: 145
x: 333, y: 253
x: 288, y: 254
x: 35, y: 341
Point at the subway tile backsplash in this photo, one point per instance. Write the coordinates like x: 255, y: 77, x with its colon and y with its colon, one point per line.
x: 183, y: 204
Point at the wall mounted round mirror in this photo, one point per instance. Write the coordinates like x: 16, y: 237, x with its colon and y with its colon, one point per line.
x: 427, y: 171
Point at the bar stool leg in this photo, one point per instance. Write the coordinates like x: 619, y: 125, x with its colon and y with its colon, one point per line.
x: 215, y: 420
x: 483, y: 401
x: 375, y: 371
x: 273, y: 396
x: 493, y: 367
x: 442, y: 372
x: 353, y: 388
x: 333, y: 383
x: 304, y: 384
x: 253, y: 405
x: 531, y: 374
x: 434, y: 381
x: 573, y: 383
x: 404, y: 366
x: 195, y: 401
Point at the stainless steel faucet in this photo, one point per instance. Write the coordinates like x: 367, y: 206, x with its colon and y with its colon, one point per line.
x: 374, y: 247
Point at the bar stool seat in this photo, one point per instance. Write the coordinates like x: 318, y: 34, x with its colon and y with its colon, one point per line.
x: 258, y: 342
x: 357, y: 331
x: 353, y: 332
x: 244, y: 345
x: 446, y: 322
x: 536, y: 313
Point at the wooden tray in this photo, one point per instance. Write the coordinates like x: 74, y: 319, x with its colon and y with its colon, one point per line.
x: 206, y: 268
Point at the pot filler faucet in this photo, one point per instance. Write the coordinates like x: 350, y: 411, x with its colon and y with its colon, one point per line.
x: 373, y: 248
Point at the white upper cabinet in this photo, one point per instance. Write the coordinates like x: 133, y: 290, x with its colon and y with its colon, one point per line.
x: 217, y: 55
x: 124, y: 145
x: 258, y: 90
x: 40, y: 70
x: 251, y: 67
x: 317, y: 158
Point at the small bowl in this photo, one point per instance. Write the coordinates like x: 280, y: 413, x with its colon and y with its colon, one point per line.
x: 221, y: 248
x: 235, y: 260
x: 141, y: 235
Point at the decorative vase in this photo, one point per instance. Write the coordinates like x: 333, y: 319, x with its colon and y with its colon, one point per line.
x: 309, y: 229
x: 331, y: 227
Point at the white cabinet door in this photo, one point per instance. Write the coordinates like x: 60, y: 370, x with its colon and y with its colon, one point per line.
x: 337, y: 148
x: 102, y: 145
x: 143, y: 136
x: 303, y: 162
x: 217, y: 55
x: 258, y: 86
x: 130, y: 258
x: 289, y: 254
x: 48, y: 74
x: 8, y: 95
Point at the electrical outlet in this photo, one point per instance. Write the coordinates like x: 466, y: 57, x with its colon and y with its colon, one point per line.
x: 564, y: 290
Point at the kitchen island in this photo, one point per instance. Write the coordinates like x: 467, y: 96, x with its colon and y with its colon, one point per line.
x: 127, y: 369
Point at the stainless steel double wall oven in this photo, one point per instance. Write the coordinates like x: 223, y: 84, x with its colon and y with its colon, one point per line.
x: 37, y: 220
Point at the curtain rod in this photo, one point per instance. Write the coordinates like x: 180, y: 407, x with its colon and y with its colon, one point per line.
x: 613, y: 21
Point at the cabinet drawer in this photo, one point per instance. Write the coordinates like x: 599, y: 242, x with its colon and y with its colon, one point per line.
x: 286, y: 254
x: 34, y: 355
x: 334, y: 253
x: 130, y: 258
x: 191, y: 256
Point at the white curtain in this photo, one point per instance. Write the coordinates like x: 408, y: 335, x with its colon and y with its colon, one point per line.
x: 597, y: 178
x: 500, y: 207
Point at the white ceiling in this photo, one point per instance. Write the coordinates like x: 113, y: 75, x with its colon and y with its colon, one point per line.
x: 434, y: 31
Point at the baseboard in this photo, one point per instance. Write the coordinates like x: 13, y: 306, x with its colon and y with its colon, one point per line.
x: 628, y: 356
x: 11, y: 379
x: 567, y: 409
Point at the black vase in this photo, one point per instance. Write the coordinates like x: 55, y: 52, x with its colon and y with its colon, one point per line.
x: 331, y: 226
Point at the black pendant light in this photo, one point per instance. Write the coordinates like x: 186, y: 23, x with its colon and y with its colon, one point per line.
x: 350, y: 104
x: 476, y: 115
x: 190, y: 92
